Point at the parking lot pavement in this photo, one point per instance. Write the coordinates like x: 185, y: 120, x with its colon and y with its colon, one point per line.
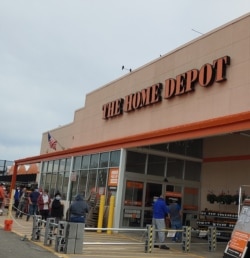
x: 116, y: 245
x: 12, y: 245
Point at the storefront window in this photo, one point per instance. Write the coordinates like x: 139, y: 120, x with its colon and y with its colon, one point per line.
x: 68, y: 163
x: 53, y: 187
x: 191, y: 148
x: 94, y: 160
x: 56, y: 174
x: 60, y: 183
x: 156, y: 165
x: 85, y: 162
x: 62, y: 165
x: 77, y: 163
x: 175, y: 168
x: 83, y: 182
x: 102, y: 181
x: 73, y: 190
x: 56, y: 165
x: 178, y: 147
x: 115, y: 158
x: 47, y: 182
x: 65, y: 183
x: 133, y: 193
x: 43, y: 179
x: 92, y: 181
x: 45, y: 166
x: 136, y: 162
x: 50, y: 166
x: 104, y: 160
x: 194, y: 148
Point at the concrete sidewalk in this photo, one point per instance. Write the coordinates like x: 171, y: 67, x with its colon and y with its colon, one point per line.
x: 117, y: 245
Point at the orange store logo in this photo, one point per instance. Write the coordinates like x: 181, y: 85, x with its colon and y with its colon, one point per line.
x: 181, y: 84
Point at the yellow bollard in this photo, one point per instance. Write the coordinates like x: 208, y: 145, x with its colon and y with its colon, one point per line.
x: 111, y: 213
x: 101, y: 213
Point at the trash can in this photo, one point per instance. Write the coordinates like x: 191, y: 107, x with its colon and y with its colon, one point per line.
x: 8, y: 224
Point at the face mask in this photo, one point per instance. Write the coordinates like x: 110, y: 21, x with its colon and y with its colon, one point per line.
x: 58, y: 198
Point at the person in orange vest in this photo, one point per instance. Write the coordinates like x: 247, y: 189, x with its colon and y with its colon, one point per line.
x: 2, y: 197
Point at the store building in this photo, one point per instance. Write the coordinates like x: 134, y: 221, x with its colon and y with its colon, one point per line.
x: 178, y: 125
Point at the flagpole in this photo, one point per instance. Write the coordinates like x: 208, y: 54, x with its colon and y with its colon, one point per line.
x: 60, y: 145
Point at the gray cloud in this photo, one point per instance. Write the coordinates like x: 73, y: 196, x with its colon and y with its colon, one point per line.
x: 54, y: 52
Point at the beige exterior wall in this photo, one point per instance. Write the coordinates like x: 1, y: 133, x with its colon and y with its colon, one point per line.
x: 218, y: 100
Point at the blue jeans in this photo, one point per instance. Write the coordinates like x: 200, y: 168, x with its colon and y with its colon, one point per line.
x: 32, y: 210
x: 176, y: 225
x: 79, y: 219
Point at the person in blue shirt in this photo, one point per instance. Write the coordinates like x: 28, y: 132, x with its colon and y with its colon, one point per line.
x: 33, y: 205
x: 160, y: 212
x: 175, y: 218
x: 17, y: 196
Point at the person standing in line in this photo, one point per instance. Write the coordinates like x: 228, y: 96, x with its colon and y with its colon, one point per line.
x: 78, y: 209
x: 22, y: 204
x: 33, y: 206
x: 43, y: 202
x: 160, y: 212
x: 2, y: 198
x: 175, y: 218
x: 17, y: 196
x: 57, y: 208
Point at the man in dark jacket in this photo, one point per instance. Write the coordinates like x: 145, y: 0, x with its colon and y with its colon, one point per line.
x: 160, y: 212
x: 78, y: 209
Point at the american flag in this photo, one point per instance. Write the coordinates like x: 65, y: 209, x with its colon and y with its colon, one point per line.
x: 52, y: 142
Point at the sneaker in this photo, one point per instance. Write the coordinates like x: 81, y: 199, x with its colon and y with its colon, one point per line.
x: 164, y: 247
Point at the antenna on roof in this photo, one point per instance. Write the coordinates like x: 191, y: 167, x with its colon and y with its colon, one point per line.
x: 197, y: 31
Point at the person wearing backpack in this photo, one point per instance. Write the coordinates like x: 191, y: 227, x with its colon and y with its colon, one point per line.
x: 57, y: 208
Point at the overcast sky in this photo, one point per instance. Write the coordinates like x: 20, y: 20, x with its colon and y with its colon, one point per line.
x: 54, y: 52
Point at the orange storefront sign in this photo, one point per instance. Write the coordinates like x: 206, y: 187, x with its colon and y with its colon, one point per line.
x: 239, y: 241
x: 113, y: 177
x: 133, y: 184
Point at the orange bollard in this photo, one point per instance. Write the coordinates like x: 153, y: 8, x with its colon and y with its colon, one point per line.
x: 8, y: 224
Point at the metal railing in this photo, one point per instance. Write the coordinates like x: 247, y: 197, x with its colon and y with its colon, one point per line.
x: 65, y: 234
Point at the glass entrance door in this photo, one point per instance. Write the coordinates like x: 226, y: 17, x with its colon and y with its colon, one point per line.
x: 138, y: 201
x: 153, y: 190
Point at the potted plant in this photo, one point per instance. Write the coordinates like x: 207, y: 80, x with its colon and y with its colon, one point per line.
x: 211, y: 197
x: 221, y: 198
x: 228, y: 199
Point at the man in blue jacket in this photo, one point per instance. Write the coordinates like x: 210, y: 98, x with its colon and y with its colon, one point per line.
x: 160, y: 212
